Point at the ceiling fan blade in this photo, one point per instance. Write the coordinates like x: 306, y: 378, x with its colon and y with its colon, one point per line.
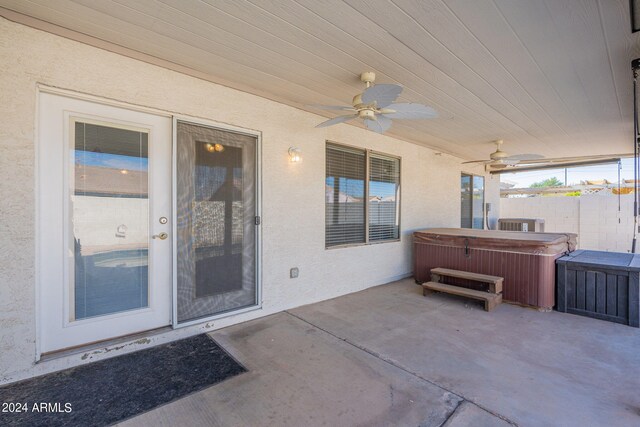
x: 525, y: 157
x: 331, y: 107
x: 477, y: 161
x: 382, y: 94
x: 410, y: 111
x: 381, y: 125
x: 336, y: 120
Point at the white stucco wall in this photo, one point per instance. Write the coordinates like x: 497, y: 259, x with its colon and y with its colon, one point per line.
x: 561, y: 214
x: 602, y: 222
x: 293, y: 194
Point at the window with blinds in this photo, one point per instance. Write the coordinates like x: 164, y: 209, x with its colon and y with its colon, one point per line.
x: 384, y: 188
x: 362, y: 195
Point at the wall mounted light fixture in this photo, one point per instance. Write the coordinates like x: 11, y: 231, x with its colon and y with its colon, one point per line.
x: 295, y: 155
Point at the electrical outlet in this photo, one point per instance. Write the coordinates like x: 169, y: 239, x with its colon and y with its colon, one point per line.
x: 294, y: 272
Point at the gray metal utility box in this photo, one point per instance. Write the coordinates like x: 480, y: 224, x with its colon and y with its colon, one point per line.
x: 603, y: 285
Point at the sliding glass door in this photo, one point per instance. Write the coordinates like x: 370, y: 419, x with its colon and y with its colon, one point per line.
x: 472, y: 201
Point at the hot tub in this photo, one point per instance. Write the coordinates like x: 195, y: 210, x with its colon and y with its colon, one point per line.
x: 525, y: 260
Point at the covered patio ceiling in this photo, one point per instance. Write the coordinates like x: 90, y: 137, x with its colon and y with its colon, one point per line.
x: 549, y: 77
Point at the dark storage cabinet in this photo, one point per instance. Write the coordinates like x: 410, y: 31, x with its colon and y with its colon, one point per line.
x: 602, y: 285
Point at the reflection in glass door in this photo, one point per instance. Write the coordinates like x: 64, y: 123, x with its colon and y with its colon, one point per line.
x: 215, y: 221
x: 472, y: 201
x: 478, y: 202
x: 110, y: 220
x: 466, y: 201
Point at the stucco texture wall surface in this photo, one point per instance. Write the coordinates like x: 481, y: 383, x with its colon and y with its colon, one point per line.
x: 293, y: 194
x: 602, y: 222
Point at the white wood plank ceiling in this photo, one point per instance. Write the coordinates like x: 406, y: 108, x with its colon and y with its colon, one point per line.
x: 548, y: 76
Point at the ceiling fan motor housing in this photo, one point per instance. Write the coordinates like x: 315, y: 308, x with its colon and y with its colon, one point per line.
x: 499, y: 155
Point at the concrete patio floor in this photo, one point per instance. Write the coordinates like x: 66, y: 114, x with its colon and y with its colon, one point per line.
x: 389, y: 356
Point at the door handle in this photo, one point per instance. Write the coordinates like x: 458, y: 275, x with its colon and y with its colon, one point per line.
x: 160, y: 236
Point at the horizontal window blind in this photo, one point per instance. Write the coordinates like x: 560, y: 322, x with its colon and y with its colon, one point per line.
x: 384, y: 188
x: 344, y: 196
x: 356, y: 196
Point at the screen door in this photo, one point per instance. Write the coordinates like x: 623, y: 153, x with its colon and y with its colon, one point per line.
x: 216, y: 221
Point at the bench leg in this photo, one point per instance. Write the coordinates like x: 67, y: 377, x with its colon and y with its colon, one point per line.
x: 492, y: 303
x: 495, y: 288
x: 426, y: 291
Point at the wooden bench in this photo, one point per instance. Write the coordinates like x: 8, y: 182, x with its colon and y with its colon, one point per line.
x: 491, y: 299
x: 495, y: 282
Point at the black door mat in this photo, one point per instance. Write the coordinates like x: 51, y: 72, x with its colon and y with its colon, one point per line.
x: 108, y: 391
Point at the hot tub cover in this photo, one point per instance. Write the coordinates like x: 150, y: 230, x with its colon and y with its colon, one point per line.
x: 510, y: 241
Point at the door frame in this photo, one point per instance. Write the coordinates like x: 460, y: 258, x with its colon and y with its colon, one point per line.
x: 52, y: 198
x: 38, y: 267
x: 258, y: 236
x: 42, y: 88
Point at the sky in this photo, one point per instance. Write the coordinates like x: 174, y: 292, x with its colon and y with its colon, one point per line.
x: 107, y: 160
x: 574, y: 175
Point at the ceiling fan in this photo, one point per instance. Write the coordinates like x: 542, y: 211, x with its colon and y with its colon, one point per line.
x: 376, y: 107
x: 500, y: 159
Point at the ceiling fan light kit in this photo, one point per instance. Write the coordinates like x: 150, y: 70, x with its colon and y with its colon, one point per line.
x: 376, y: 107
x: 367, y: 114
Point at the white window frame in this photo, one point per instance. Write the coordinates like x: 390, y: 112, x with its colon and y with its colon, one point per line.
x: 367, y: 152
